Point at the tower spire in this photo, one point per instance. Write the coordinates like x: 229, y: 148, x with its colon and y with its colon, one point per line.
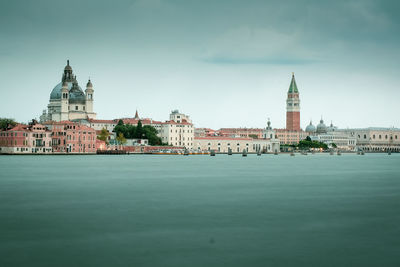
x: 293, y: 85
x: 136, y: 115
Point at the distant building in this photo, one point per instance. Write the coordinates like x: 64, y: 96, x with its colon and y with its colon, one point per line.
x: 26, y: 139
x: 241, y: 132
x: 292, y: 134
x: 375, y: 139
x: 72, y: 137
x: 236, y: 144
x: 68, y: 101
x: 293, y: 107
x: 331, y: 136
x: 178, y: 131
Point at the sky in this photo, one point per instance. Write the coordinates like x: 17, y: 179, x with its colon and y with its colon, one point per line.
x: 224, y: 63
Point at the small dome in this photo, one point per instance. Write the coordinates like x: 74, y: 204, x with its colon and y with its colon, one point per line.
x: 310, y: 128
x: 331, y: 128
x: 89, y: 84
x: 321, y: 127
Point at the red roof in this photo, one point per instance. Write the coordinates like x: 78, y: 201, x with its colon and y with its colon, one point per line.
x: 19, y: 127
x: 103, y: 121
x: 222, y: 138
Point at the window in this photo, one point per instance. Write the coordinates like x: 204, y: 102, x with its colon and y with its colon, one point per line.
x: 76, y: 107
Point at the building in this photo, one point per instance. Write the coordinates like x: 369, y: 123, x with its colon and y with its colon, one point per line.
x: 375, y: 139
x: 99, y: 125
x: 265, y: 142
x: 241, y: 132
x: 293, y: 107
x: 178, y: 131
x: 330, y: 136
x: 26, y: 139
x: 292, y: 134
x: 72, y: 137
x: 289, y: 137
x: 339, y: 139
x: 236, y: 144
x: 68, y: 101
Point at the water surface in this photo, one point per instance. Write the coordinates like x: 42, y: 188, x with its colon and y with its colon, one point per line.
x: 129, y: 210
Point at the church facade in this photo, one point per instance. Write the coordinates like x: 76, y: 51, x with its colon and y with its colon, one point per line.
x: 68, y: 101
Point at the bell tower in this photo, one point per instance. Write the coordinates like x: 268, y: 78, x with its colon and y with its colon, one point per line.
x: 89, y: 100
x: 64, y: 101
x: 293, y: 107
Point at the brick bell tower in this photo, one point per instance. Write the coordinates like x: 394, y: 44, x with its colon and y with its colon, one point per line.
x: 293, y: 107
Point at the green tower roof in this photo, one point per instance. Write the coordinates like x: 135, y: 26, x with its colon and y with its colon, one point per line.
x: 293, y: 86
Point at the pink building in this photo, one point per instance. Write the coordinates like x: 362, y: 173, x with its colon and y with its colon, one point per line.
x: 26, y: 139
x: 72, y: 137
x: 290, y: 137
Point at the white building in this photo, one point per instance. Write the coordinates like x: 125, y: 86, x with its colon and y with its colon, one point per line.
x: 68, y: 101
x: 178, y: 131
x: 375, y: 139
x: 236, y: 144
x: 342, y: 140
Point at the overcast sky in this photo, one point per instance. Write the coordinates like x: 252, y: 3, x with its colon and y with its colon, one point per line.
x: 224, y: 63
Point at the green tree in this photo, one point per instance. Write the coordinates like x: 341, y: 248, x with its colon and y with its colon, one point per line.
x: 103, y: 135
x: 308, y: 138
x: 150, y: 133
x: 254, y: 136
x: 334, y: 145
x: 121, y: 139
x: 5, y: 123
x: 139, y: 130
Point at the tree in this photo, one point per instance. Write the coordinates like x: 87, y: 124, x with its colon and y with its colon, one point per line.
x: 150, y: 133
x: 6, y: 123
x: 121, y: 139
x: 308, y: 138
x: 139, y: 130
x: 254, y: 136
x: 103, y: 135
x: 334, y: 145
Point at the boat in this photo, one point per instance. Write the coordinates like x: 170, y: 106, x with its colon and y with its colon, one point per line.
x: 212, y: 153
x: 229, y: 151
x: 244, y: 154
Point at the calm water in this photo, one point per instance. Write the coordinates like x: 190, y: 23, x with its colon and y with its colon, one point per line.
x: 315, y: 210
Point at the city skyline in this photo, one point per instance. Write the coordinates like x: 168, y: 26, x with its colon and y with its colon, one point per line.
x: 231, y: 70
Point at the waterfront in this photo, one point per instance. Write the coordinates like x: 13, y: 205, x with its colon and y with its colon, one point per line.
x: 148, y: 210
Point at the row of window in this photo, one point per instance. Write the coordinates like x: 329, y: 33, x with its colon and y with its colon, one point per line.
x: 13, y: 134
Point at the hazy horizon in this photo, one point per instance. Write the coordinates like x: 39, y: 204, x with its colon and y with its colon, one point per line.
x: 225, y: 63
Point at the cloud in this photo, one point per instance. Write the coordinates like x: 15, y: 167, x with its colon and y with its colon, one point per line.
x: 245, y: 45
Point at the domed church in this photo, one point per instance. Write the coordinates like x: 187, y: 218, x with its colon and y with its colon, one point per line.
x: 68, y: 101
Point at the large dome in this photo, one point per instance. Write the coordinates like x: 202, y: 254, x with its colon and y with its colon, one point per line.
x: 310, y: 128
x: 75, y: 96
x: 321, y: 127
